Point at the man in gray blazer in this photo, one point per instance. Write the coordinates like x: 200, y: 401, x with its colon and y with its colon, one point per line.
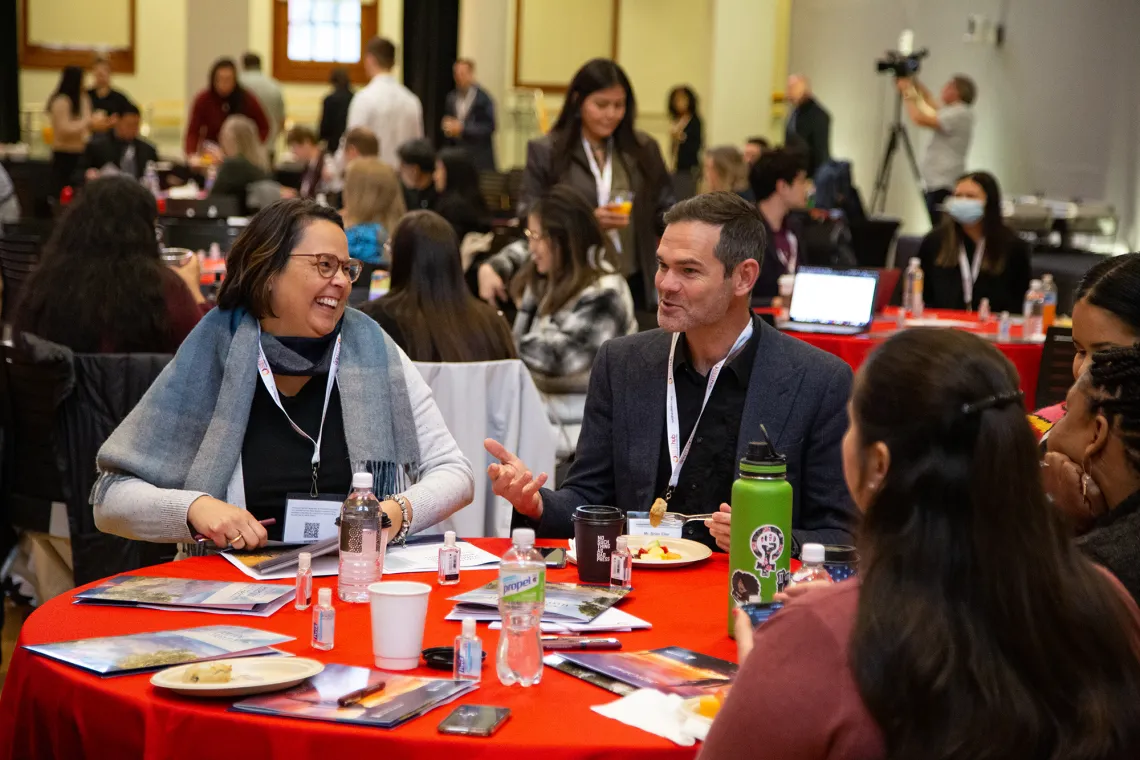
x: 626, y: 451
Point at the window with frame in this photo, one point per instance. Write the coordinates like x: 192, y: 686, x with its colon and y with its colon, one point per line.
x: 312, y: 37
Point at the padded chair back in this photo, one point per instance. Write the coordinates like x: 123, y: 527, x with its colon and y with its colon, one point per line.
x: 20, y: 246
x: 493, y: 187
x: 872, y: 239
x: 1067, y: 268
x: 1056, y: 375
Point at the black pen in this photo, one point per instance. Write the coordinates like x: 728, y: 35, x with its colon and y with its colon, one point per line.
x: 351, y: 698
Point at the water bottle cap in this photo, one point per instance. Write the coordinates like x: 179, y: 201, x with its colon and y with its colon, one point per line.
x: 1035, y: 284
x: 304, y: 561
x: 761, y: 458
x: 324, y: 597
x: 623, y: 542
x: 813, y: 553
x: 523, y: 537
x: 915, y: 262
x: 449, y: 538
x: 468, y: 626
x: 362, y: 480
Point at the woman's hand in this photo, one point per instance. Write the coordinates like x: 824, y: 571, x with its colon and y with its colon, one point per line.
x: 720, y: 527
x: 492, y: 289
x: 191, y: 274
x: 798, y: 590
x: 1073, y: 491
x: 225, y: 524
x: 743, y: 631
x: 611, y: 220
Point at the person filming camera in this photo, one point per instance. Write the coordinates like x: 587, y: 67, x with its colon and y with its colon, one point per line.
x: 953, y: 125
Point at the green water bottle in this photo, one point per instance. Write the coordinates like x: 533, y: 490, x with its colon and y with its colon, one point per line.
x: 761, y: 543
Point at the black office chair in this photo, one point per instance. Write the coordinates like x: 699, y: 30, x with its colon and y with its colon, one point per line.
x: 1056, y: 374
x: 871, y: 239
x: 20, y: 246
x: 1067, y: 268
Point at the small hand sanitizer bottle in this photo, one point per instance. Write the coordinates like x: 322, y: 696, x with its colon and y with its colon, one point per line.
x: 448, y: 560
x: 324, y: 621
x: 304, y: 596
x: 621, y: 565
x: 468, y: 654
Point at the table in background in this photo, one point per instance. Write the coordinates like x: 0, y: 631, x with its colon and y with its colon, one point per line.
x: 49, y: 709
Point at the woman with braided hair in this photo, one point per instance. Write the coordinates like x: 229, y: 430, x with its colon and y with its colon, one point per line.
x: 1101, y: 433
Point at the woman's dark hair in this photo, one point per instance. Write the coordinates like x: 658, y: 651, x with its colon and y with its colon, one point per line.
x: 578, y: 246
x: 263, y: 249
x: 99, y: 284
x: 999, y: 238
x: 236, y: 99
x: 462, y: 176
x: 1114, y: 285
x: 1114, y: 378
x: 692, y: 96
x: 70, y: 86
x: 338, y: 78
x: 981, y: 630
x: 430, y: 300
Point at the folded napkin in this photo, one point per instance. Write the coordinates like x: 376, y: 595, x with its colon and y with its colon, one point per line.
x: 657, y: 713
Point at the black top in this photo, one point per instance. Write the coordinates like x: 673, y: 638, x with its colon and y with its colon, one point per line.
x: 1114, y: 541
x: 388, y: 323
x: 420, y: 200
x: 463, y: 214
x: 689, y: 151
x: 235, y: 175
x: 809, y: 131
x: 112, y: 103
x: 334, y: 117
x: 276, y: 460
x: 767, y: 284
x: 107, y: 149
x: 942, y: 288
x: 710, y: 469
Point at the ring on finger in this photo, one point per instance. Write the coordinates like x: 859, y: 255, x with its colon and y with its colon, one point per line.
x: 235, y: 539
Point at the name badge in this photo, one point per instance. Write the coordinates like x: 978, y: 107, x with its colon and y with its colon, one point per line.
x: 309, y: 519
x: 670, y: 526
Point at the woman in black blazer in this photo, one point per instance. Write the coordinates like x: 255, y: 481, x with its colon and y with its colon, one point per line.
x: 687, y: 140
x: 594, y: 148
x: 973, y: 255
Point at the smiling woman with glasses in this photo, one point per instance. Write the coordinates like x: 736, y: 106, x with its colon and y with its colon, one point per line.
x: 280, y: 391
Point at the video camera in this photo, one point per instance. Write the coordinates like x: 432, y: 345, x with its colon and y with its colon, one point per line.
x: 902, y: 66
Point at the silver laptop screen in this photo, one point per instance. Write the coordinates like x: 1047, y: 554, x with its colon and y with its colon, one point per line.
x: 831, y: 297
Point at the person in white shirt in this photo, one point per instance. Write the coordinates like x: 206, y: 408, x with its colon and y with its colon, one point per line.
x: 389, y: 109
x: 267, y: 90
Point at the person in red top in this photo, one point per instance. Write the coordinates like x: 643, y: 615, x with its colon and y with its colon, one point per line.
x: 224, y: 97
x: 976, y: 628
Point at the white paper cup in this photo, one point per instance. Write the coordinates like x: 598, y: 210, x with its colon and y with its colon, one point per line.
x: 786, y: 284
x: 399, y: 612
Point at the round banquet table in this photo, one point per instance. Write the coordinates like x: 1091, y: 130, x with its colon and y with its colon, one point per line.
x: 854, y: 349
x: 49, y: 709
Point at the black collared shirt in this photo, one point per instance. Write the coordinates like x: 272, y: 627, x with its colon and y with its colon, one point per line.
x: 711, y: 467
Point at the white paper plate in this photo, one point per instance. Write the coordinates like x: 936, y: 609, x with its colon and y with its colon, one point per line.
x: 250, y: 675
x: 691, y: 552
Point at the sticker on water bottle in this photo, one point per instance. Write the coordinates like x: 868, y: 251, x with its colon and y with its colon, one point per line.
x: 524, y: 587
x: 767, y: 545
x: 745, y: 587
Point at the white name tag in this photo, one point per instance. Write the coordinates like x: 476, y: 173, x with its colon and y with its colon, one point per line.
x: 308, y: 519
x: 670, y: 526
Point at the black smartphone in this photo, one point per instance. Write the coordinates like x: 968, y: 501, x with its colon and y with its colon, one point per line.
x: 759, y: 612
x: 474, y: 720
x: 554, y: 557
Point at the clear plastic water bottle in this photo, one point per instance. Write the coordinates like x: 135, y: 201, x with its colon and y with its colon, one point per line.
x: 912, y: 290
x: 812, y: 569
x: 1034, y: 311
x: 984, y: 314
x: 359, y: 541
x: 150, y: 179
x: 522, y: 596
x: 1004, y: 323
x: 1049, y: 296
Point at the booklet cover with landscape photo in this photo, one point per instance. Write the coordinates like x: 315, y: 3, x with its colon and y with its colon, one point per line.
x: 672, y: 670
x: 564, y: 601
x: 187, y: 594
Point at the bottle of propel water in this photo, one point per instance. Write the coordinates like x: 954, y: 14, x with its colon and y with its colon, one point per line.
x: 359, y: 541
x: 522, y: 596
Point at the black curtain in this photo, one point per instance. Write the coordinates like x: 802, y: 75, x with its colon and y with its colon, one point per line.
x: 9, y: 75
x: 431, y: 44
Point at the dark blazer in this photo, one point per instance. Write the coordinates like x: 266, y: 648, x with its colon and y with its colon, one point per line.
x: 334, y: 117
x: 478, y: 128
x: 797, y: 391
x: 107, y: 149
x: 942, y: 288
x: 809, y: 130
x: 689, y: 150
x: 652, y: 187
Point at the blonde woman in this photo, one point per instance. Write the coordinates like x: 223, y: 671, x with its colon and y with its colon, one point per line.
x: 726, y: 170
x: 245, y: 161
x: 373, y: 203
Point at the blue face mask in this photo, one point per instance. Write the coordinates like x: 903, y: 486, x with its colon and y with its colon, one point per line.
x: 965, y: 210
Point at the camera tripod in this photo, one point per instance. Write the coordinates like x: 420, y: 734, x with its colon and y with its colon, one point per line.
x: 898, y: 134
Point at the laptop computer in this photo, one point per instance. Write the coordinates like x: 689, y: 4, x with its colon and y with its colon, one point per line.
x: 835, y: 301
x: 888, y: 283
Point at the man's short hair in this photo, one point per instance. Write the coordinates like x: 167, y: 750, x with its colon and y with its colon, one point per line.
x: 364, y: 140
x: 742, y: 234
x: 760, y: 141
x: 967, y: 90
x: 251, y: 62
x: 467, y: 62
x: 301, y: 134
x: 382, y: 50
x: 129, y: 108
x: 101, y: 60
x: 418, y: 153
x: 772, y: 166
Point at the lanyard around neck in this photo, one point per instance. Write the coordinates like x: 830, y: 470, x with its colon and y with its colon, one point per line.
x: 677, y: 456
x: 970, y: 274
x: 266, y: 375
x: 604, y: 176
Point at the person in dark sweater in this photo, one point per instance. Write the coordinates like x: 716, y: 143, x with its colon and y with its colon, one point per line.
x: 688, y: 140
x: 460, y: 201
x: 107, y: 103
x: 334, y: 110
x: 224, y: 97
x: 779, y: 184
x: 975, y: 628
x: 809, y: 125
x: 417, y: 165
x: 121, y: 147
x: 246, y: 161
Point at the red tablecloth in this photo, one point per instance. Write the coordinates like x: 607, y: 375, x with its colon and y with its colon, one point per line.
x: 853, y: 349
x: 49, y: 709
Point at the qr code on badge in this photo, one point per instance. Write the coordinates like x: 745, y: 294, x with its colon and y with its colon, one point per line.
x: 312, y: 530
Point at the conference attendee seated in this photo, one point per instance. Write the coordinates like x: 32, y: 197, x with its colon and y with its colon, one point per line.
x: 429, y: 311
x: 246, y: 162
x: 246, y: 438
x: 373, y: 204
x: 469, y: 116
x: 459, y: 199
x: 120, y: 149
x: 972, y: 254
x: 107, y: 103
x: 417, y: 169
x: 779, y: 182
x: 726, y: 171
x: 223, y: 98
x: 705, y: 273
x: 101, y: 286
x: 318, y: 173
x: 571, y: 298
x: 754, y: 147
x: 976, y: 628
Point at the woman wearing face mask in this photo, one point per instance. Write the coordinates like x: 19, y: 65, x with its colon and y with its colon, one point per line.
x: 279, y: 391
x: 973, y: 255
x: 594, y: 148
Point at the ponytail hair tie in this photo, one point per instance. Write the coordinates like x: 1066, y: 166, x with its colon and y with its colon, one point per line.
x: 992, y: 402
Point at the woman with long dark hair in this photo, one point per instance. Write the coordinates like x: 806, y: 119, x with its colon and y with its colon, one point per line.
x: 101, y: 286
x: 69, y: 109
x: 973, y: 254
x: 976, y: 628
x: 685, y: 129
x: 429, y: 311
x: 224, y: 97
x: 459, y: 201
x: 334, y: 109
x: 595, y: 148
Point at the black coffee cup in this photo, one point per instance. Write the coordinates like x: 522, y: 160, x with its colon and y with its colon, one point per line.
x: 596, y: 530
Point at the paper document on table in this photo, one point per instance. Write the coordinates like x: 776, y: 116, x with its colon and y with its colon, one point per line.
x: 326, y: 565
x: 188, y: 595
x: 424, y: 558
x: 612, y: 619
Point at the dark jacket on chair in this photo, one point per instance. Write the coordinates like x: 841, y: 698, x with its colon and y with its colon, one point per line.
x: 809, y: 130
x: 478, y: 128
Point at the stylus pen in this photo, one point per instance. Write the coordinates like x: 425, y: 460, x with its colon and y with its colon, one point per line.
x: 578, y: 642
